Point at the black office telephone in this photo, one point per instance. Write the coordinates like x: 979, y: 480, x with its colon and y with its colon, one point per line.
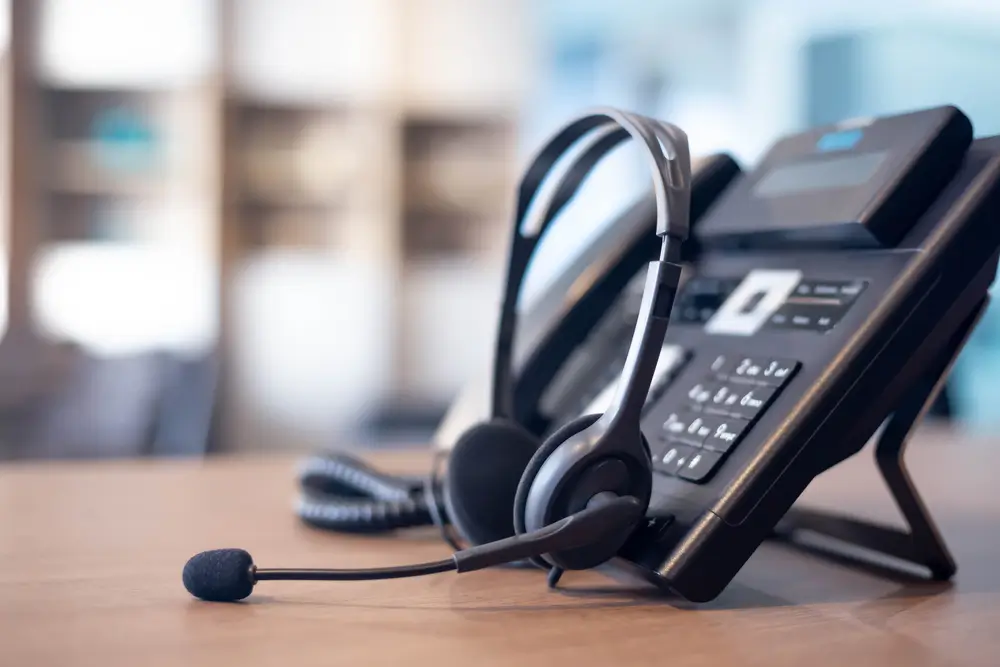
x: 836, y: 283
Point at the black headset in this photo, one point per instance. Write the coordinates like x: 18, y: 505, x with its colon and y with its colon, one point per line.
x: 569, y: 502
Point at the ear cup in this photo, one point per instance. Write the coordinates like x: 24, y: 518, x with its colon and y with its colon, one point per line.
x: 484, y: 469
x: 558, y: 437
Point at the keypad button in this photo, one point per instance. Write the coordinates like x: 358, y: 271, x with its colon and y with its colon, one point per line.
x: 803, y: 321
x: 699, y: 465
x: 722, y: 366
x: 701, y: 393
x: 698, y: 429
x: 749, y: 368
x: 752, y: 401
x: 717, y: 413
x: 687, y: 427
x: 778, y: 371
x: 676, y: 424
x: 674, y: 458
x: 724, y: 433
x: 725, y: 398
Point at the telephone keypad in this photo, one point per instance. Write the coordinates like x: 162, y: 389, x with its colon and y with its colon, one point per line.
x: 702, y: 393
x: 674, y: 458
x: 723, y: 432
x: 773, y: 372
x: 699, y: 465
x: 752, y: 401
x: 717, y: 411
x: 725, y: 399
x: 687, y: 427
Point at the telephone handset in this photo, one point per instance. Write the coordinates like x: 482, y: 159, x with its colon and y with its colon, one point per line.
x: 575, y: 331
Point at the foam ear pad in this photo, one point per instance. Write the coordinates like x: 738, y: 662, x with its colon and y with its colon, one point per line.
x: 558, y: 437
x: 484, y: 469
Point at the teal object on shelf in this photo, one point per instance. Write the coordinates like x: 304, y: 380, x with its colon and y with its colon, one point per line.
x: 123, y: 140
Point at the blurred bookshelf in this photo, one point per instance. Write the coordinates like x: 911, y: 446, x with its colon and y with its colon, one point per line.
x: 456, y: 190
x: 315, y: 190
x: 295, y: 168
x: 455, y: 184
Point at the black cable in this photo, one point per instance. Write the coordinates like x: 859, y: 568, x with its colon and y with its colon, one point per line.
x: 339, y: 474
x: 397, y: 572
x: 360, y: 516
x: 342, y: 493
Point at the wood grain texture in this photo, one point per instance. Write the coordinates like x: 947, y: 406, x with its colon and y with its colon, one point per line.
x: 91, y: 553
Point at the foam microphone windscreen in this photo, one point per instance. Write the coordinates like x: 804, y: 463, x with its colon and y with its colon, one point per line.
x: 220, y: 575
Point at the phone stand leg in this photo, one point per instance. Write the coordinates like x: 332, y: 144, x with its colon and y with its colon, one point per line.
x: 922, y: 544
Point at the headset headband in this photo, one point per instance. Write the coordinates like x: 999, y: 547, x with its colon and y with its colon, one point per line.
x: 666, y: 149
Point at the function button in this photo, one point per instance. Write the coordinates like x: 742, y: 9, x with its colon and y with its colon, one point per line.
x: 819, y: 317
x: 701, y: 393
x: 852, y: 289
x: 724, y: 433
x: 699, y: 465
x: 803, y: 321
x: 826, y: 289
x: 825, y: 317
x: 687, y: 427
x: 725, y: 398
x: 674, y: 458
x: 810, y: 317
x: 777, y: 371
x: 752, y: 401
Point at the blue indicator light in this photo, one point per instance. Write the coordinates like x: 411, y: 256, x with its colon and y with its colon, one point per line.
x: 838, y: 141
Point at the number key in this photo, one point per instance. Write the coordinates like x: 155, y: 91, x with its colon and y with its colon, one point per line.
x: 724, y: 399
x: 726, y: 432
x: 752, y: 401
x: 699, y: 466
x: 778, y: 371
x: 701, y: 393
x: 674, y: 458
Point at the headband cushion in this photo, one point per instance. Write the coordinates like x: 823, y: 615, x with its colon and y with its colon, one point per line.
x: 484, y: 469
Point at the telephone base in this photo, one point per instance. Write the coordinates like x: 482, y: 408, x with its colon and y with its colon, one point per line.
x: 922, y: 544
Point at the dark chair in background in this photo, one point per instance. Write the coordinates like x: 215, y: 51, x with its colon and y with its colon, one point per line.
x: 63, y: 402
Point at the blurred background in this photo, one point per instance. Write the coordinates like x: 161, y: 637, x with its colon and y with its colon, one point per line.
x: 280, y: 224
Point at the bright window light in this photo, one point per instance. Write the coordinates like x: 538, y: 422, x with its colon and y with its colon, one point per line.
x: 120, y: 299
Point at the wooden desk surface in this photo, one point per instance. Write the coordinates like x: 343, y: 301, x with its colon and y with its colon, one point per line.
x: 91, y: 554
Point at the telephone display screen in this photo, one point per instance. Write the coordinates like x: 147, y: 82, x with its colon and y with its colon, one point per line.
x: 823, y: 174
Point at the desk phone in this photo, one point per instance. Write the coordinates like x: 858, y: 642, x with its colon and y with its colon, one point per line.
x: 834, y: 277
